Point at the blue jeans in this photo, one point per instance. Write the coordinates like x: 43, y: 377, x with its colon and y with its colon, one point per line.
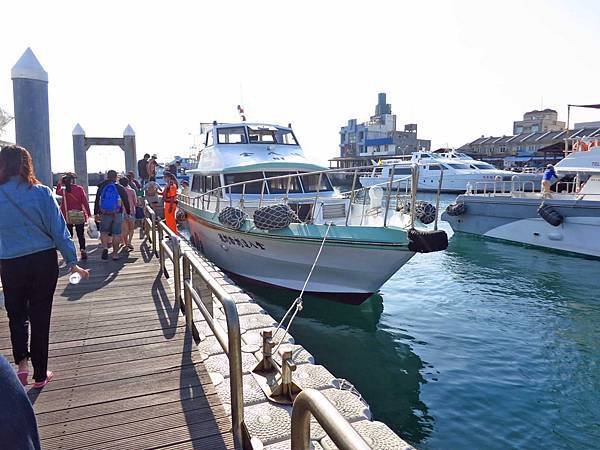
x: 18, y: 427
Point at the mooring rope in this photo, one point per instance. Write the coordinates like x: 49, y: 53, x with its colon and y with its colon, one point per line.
x: 298, y: 304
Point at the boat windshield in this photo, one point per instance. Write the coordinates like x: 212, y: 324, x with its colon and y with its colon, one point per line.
x: 251, y: 188
x: 483, y: 166
x: 280, y: 185
x: 233, y: 135
x: 271, y: 135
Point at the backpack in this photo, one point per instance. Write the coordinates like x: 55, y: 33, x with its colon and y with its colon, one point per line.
x: 109, y: 199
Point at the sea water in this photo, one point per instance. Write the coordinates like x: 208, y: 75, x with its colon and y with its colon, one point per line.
x: 488, y: 345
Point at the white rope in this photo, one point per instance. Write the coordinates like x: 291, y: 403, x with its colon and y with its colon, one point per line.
x: 297, y: 304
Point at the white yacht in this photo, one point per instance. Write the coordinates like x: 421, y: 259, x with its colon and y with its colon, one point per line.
x: 260, y: 210
x: 567, y: 219
x: 459, y: 171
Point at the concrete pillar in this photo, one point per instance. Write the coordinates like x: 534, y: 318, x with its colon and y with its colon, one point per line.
x: 80, y: 157
x: 30, y: 92
x: 129, y: 149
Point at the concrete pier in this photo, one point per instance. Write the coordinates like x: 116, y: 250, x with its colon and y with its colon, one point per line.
x: 32, y: 127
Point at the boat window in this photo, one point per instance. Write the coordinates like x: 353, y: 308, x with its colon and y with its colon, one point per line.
x: 209, y: 138
x: 286, y: 137
x: 234, y: 135
x: 434, y: 167
x: 402, y: 171
x: 216, y: 182
x: 198, y: 182
x: 262, y: 135
x: 483, y: 166
x: 311, y: 182
x: 251, y: 188
x: 458, y: 166
x: 280, y: 185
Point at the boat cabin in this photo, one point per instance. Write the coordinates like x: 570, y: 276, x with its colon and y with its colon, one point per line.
x: 236, y: 154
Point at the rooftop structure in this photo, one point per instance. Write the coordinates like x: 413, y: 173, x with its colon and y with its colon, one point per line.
x: 380, y: 136
x: 538, y: 121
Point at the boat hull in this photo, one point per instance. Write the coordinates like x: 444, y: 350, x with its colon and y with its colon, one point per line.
x: 517, y: 220
x: 346, y: 271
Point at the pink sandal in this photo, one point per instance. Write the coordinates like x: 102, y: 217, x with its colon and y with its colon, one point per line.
x: 41, y: 384
x: 22, y: 375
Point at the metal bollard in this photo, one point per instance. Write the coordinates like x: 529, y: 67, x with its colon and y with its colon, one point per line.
x: 287, y: 367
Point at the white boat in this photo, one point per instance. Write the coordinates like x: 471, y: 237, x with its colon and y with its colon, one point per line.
x: 248, y: 171
x: 567, y: 219
x: 459, y: 172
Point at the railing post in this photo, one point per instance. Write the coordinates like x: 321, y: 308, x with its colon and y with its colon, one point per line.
x: 187, y: 295
x: 177, y: 269
x: 153, y: 231
x: 161, y: 250
x: 389, y: 194
x: 314, y: 209
x: 352, y: 194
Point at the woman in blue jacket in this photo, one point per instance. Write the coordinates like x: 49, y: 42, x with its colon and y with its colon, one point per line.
x: 31, y: 230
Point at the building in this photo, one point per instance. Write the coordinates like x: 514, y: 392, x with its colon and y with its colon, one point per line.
x: 531, y: 149
x: 378, y: 138
x: 538, y: 121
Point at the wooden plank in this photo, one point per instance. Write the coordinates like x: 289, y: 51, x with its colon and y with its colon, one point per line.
x: 127, y: 372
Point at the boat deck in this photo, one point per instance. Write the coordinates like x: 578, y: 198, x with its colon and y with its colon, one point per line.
x: 127, y: 372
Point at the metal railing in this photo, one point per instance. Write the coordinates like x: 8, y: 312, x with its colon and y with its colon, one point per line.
x: 187, y: 270
x: 499, y: 186
x: 225, y: 195
x: 312, y: 402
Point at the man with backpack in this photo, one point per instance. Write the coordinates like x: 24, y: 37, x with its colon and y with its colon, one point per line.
x: 111, y: 201
x: 142, y: 167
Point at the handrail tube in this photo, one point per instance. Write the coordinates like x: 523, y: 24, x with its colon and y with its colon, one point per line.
x: 216, y: 328
x: 234, y: 348
x: 167, y: 250
x: 312, y: 402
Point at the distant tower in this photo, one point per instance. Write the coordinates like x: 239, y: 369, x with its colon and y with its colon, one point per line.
x: 382, y: 107
x: 30, y: 92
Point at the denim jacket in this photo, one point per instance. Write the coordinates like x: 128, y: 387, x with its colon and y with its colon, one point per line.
x: 20, y: 237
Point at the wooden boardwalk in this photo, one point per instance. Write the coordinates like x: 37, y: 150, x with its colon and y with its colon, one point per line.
x: 127, y: 371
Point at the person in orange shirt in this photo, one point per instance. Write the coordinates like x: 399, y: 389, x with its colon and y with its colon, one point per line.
x: 170, y: 198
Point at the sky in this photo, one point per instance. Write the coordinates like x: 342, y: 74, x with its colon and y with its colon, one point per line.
x: 459, y: 69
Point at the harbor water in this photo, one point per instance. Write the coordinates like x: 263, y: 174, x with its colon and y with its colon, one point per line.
x: 488, y: 345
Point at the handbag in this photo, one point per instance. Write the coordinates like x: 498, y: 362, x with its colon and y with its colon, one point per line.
x: 74, y: 216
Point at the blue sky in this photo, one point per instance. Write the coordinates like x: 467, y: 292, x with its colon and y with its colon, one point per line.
x: 459, y: 69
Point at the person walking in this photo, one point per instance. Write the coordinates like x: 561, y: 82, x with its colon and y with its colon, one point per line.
x: 170, y: 198
x: 133, y: 183
x: 152, y: 165
x: 75, y: 208
x: 549, y: 174
x: 18, y: 426
x: 129, y: 219
x: 142, y: 167
x: 111, y: 202
x: 32, y: 228
x: 175, y: 168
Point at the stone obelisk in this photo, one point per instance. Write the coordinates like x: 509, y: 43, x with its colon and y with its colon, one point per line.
x: 30, y: 92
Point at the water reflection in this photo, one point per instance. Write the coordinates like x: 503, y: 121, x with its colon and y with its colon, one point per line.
x: 350, y: 342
